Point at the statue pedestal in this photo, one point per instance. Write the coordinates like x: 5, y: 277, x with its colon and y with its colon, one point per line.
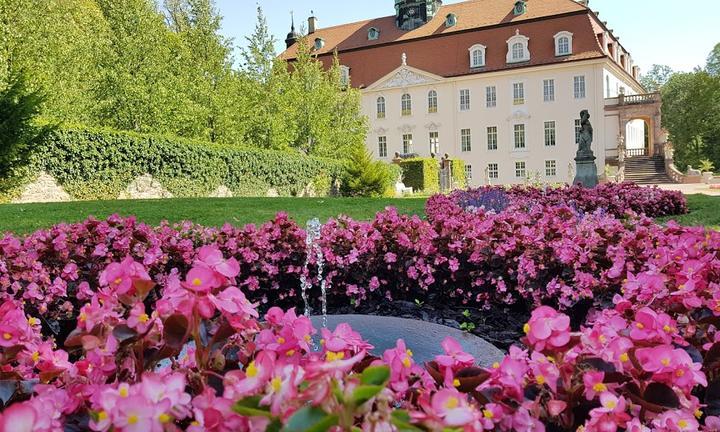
x: 586, y: 172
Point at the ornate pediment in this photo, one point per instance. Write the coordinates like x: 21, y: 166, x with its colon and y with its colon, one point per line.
x: 433, y: 126
x: 406, y: 76
x: 380, y: 131
x: 519, y: 114
x: 406, y: 128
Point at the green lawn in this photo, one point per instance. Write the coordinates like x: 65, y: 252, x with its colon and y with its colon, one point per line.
x: 24, y: 218
x: 704, y: 210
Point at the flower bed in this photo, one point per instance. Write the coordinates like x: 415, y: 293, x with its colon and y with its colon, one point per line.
x: 648, y: 361
x: 615, y: 198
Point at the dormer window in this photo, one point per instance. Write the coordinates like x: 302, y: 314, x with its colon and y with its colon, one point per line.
x: 477, y: 56
x: 373, y: 33
x: 563, y: 43
x: 518, y: 48
x: 520, y: 8
x: 450, y: 20
x: 319, y: 43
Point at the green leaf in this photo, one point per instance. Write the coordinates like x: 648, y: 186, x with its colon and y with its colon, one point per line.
x: 310, y: 419
x: 401, y: 420
x: 250, y: 407
x: 364, y: 393
x: 375, y: 375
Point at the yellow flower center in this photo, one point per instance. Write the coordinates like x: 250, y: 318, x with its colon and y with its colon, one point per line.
x: 639, y: 325
x: 33, y: 321
x: 599, y: 387
x: 488, y: 414
x: 197, y: 282
x: 406, y: 362
x: 132, y: 419
x: 322, y: 341
x: 290, y: 353
x: 624, y: 357
x: 456, y: 382
x: 665, y: 361
x: 251, y: 370
x: 496, y: 365
x: 409, y: 352
x: 7, y: 336
x: 611, y: 404
x: 526, y: 328
x: 281, y: 340
x: 123, y: 392
x: 540, y: 379
x: 82, y: 316
x: 682, y: 423
x: 36, y: 356
x: 276, y: 383
x: 308, y: 338
x: 679, y: 373
x: 602, y: 339
x: 452, y: 402
x: 102, y: 415
x: 332, y: 356
x: 698, y: 413
x: 667, y: 328
x: 117, y: 281
x: 164, y: 418
x: 143, y: 318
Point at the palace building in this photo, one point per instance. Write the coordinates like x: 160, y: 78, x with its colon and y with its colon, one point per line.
x: 496, y: 83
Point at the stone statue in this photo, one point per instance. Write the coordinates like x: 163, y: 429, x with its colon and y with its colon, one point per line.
x: 571, y: 170
x: 586, y: 172
x: 622, y: 151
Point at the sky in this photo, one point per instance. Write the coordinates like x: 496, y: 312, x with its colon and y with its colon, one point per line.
x: 679, y: 34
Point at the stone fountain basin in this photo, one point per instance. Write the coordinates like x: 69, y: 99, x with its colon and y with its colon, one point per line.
x: 423, y: 338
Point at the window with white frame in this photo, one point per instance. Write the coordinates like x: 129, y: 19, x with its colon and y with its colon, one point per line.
x: 578, y: 129
x: 549, y: 90
x: 344, y: 75
x: 492, y: 138
x: 490, y: 96
x: 550, y: 133
x: 519, y: 136
x: 518, y: 48
x: 579, y: 87
x: 563, y: 43
x: 520, y: 169
x: 380, y: 107
x: 464, y: 100
x: 468, y: 171
x: 477, y: 56
x: 550, y: 168
x: 434, y: 142
x: 518, y: 93
x: 373, y: 33
x: 319, y: 43
x: 406, y: 104
x: 382, y: 146
x: 465, y: 140
x: 407, y: 143
x: 493, y: 171
x: 432, y: 101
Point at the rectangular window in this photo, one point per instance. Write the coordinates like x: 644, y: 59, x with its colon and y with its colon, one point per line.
x: 492, y: 138
x: 432, y: 102
x: 465, y: 140
x: 407, y: 143
x: 579, y: 87
x: 519, y: 136
x: 518, y: 93
x: 550, y: 168
x: 520, y: 169
x: 464, y: 100
x: 493, y: 172
x: 382, y: 146
x: 468, y: 172
x: 549, y: 90
x: 578, y: 128
x: 550, y: 133
x: 434, y: 142
x: 490, y: 97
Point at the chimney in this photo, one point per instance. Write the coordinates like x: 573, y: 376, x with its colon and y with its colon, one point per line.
x: 312, y: 23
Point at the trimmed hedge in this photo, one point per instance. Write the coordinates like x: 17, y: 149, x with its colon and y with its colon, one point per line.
x: 99, y: 164
x: 423, y: 174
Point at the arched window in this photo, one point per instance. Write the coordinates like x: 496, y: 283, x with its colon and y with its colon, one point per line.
x: 432, y: 101
x: 381, y: 107
x: 450, y: 20
x: 477, y: 56
x: 373, y: 33
x: 518, y: 48
x: 406, y: 104
x: 319, y: 43
x: 563, y: 43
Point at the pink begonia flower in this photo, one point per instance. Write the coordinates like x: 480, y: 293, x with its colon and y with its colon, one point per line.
x: 594, y: 385
x: 609, y: 416
x: 670, y: 365
x: 402, y: 366
x: 343, y: 339
x: 675, y: 421
x: 18, y: 417
x: 523, y: 421
x: 212, y: 257
x: 135, y: 414
x: 547, y: 329
x: 123, y: 276
x: 544, y: 371
x: 256, y: 375
x: 231, y: 301
x: 215, y: 414
x: 455, y: 358
x: 650, y: 325
x: 452, y: 407
x: 138, y: 319
x: 283, y: 388
x: 712, y: 424
x: 200, y: 279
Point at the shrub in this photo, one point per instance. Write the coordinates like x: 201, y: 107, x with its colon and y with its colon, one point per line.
x: 99, y: 164
x: 365, y: 177
x: 421, y: 174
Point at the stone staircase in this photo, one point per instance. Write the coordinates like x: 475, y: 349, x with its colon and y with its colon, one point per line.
x: 646, y: 170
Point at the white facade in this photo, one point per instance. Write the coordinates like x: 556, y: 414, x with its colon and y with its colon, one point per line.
x: 525, y: 127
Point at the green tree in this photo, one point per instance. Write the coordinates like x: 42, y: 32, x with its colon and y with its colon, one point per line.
x: 713, y: 61
x: 364, y: 176
x: 656, y: 77
x: 259, y: 55
x: 19, y: 106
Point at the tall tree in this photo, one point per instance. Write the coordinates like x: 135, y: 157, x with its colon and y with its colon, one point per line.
x: 19, y: 106
x: 713, y: 61
x: 656, y: 77
x: 259, y: 55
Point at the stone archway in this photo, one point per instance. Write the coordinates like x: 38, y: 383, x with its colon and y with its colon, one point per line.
x: 645, y: 107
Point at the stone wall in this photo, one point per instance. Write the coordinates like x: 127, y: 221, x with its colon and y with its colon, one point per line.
x: 145, y: 187
x: 44, y: 189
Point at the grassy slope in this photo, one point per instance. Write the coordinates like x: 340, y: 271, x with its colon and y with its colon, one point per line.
x: 704, y: 210
x: 24, y: 218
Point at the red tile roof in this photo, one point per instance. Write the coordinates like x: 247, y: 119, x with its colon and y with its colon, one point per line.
x: 444, y: 50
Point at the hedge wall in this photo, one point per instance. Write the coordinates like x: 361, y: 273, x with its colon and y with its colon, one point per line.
x: 99, y: 164
x: 423, y: 174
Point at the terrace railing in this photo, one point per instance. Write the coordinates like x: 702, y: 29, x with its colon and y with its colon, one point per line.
x: 636, y: 152
x: 646, y: 98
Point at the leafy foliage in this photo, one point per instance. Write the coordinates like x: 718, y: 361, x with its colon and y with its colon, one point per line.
x: 656, y: 77
x: 366, y: 177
